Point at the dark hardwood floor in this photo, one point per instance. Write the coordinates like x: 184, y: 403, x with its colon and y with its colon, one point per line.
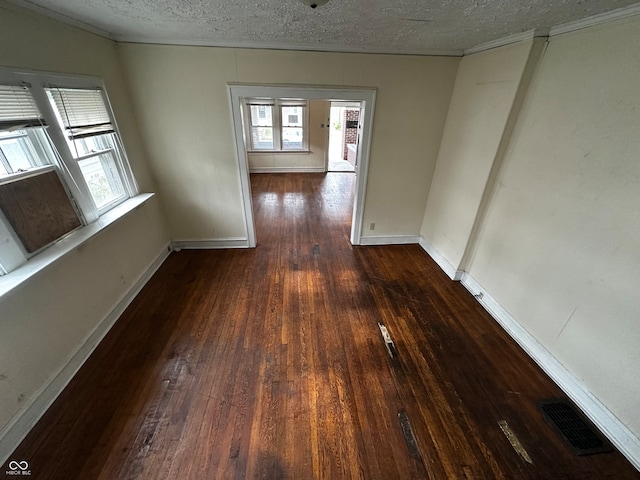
x: 268, y: 363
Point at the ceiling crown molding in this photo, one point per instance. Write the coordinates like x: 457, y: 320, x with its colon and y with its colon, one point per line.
x: 297, y: 47
x: 617, y: 14
x: 595, y: 20
x: 61, y: 18
x: 501, y: 42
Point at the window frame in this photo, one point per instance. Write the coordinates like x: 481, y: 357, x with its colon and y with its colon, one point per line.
x: 12, y: 255
x: 276, y: 104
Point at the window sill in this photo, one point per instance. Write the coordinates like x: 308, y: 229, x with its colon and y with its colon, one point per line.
x: 42, y: 260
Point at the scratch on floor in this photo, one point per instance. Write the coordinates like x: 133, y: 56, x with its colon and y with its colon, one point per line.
x: 513, y: 440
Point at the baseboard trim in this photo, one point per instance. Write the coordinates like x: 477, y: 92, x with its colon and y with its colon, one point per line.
x: 440, y: 259
x: 287, y: 170
x: 18, y: 428
x: 239, y: 242
x: 389, y: 240
x: 598, y: 413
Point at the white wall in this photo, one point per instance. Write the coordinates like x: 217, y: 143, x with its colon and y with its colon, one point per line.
x: 483, y: 97
x: 557, y: 244
x: 47, y: 319
x: 560, y: 247
x: 314, y: 160
x: 181, y: 102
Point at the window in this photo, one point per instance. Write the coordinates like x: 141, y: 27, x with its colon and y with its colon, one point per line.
x: 53, y: 123
x: 23, y: 143
x: 276, y: 124
x: 92, y: 141
x: 23, y: 150
x: 292, y: 127
x: 262, y: 127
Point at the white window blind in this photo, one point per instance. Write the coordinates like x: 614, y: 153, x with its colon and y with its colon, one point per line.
x: 18, y: 110
x: 83, y: 112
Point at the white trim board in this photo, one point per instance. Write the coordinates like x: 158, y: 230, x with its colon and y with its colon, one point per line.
x: 389, y: 240
x: 440, y: 259
x: 18, y: 428
x: 598, y: 413
x: 287, y: 170
x: 210, y: 244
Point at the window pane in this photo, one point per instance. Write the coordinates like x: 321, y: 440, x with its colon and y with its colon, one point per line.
x: 291, y: 138
x: 261, y: 116
x: 292, y: 116
x: 19, y: 152
x: 100, y: 171
x: 102, y: 178
x: 88, y: 145
x: 262, y: 138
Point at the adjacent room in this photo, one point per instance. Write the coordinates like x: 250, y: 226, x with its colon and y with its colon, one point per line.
x: 319, y: 240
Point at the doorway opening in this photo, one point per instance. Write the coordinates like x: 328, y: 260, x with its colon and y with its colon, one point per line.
x: 343, y: 136
x: 364, y: 97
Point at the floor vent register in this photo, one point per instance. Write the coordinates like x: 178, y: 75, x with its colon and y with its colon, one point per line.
x: 582, y: 437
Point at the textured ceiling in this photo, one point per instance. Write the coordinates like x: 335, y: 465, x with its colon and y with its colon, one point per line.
x: 393, y: 26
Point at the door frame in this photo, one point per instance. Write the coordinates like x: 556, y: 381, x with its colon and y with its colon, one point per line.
x: 341, y: 104
x: 366, y: 97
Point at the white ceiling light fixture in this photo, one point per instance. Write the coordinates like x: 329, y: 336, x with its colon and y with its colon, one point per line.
x: 313, y: 3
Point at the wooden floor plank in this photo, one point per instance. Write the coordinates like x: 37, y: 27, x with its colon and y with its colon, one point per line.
x: 268, y: 363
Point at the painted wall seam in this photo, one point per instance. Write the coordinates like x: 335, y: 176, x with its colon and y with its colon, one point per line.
x: 536, y: 53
